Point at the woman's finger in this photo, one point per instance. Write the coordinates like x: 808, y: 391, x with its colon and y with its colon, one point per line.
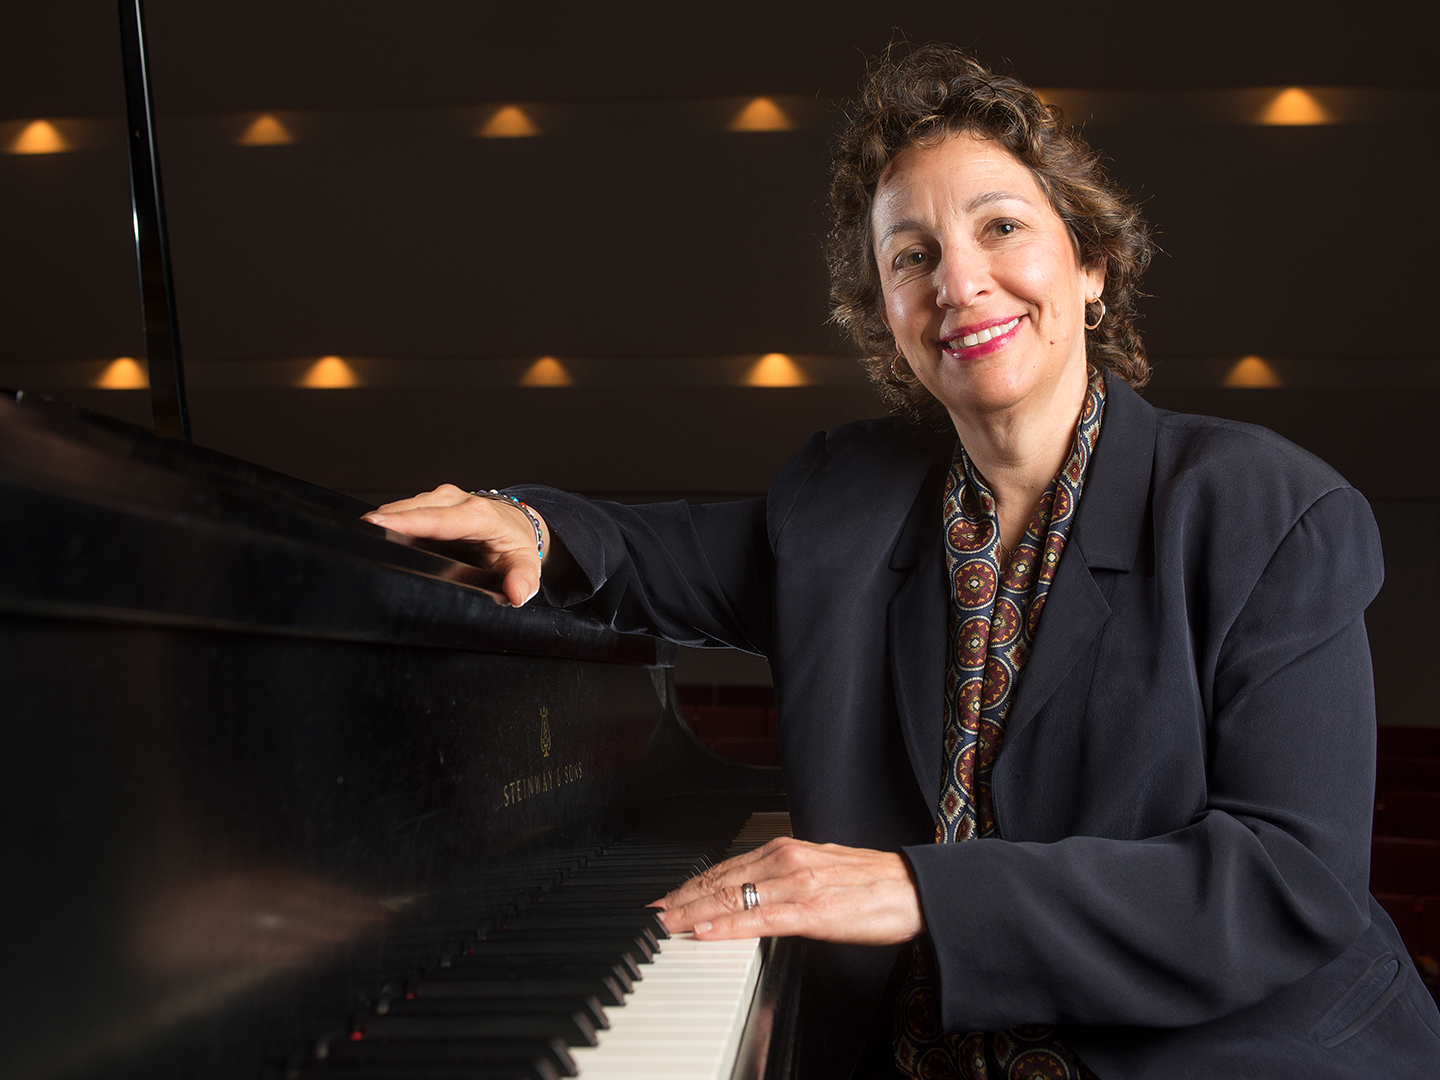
x: 729, y: 873
x: 783, y: 920
x: 729, y: 900
x: 444, y: 495
x: 827, y: 892
x: 519, y: 575
x: 502, y: 531
x: 882, y: 912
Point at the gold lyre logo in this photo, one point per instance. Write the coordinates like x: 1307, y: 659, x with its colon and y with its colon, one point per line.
x: 544, y: 732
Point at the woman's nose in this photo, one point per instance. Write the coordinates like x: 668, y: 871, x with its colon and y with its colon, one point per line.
x: 961, y: 279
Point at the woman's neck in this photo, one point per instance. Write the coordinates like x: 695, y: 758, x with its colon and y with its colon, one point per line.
x: 1020, y: 450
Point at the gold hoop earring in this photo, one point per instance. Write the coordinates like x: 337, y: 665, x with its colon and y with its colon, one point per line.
x: 1096, y: 324
x: 895, y: 371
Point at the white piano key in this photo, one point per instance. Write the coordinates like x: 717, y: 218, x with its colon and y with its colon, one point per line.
x: 684, y: 1019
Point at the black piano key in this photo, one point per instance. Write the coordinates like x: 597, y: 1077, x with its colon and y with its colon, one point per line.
x: 647, y: 879
x: 517, y: 983
x: 574, y: 1027
x: 497, y: 1005
x: 426, y: 1070
x: 534, y: 967
x: 638, y: 942
x: 627, y: 863
x: 562, y: 907
x: 641, y: 892
x: 400, y: 1054
x: 623, y: 951
x: 648, y: 921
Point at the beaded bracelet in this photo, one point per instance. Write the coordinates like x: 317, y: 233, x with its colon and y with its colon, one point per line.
x: 500, y: 496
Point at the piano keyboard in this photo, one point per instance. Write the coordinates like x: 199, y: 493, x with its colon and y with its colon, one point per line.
x: 684, y: 1021
x: 579, y: 979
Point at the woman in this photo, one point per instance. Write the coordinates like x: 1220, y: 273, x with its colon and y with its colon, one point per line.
x: 1127, y: 839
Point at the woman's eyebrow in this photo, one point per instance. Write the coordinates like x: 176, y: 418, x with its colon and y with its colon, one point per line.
x: 985, y: 198
x: 902, y: 225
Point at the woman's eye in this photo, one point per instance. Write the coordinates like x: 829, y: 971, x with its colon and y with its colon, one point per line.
x: 1004, y: 228
x: 910, y: 259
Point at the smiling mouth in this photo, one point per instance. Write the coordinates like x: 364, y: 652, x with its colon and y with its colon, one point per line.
x: 969, y: 341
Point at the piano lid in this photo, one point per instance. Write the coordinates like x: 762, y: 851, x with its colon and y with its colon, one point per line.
x: 103, y: 519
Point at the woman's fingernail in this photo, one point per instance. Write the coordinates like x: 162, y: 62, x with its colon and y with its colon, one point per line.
x: 702, y: 927
x: 375, y: 518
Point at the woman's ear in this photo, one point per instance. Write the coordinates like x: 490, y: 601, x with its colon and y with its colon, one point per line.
x: 1094, y: 275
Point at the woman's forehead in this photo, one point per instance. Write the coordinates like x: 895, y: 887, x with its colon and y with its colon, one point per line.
x: 963, y: 168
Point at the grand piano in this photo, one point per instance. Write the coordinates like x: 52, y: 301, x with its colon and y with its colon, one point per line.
x: 287, y: 797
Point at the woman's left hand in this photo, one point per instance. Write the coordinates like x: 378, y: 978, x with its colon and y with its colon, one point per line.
x: 821, y: 891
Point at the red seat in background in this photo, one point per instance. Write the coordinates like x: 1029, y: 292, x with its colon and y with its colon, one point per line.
x: 1402, y: 865
x: 747, y: 751
x: 740, y: 733
x: 1429, y: 915
x: 1395, y: 740
x: 730, y: 722
x: 737, y: 722
x: 1408, y: 813
x: 1399, y: 773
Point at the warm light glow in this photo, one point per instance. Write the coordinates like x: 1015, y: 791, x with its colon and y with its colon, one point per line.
x: 762, y: 114
x: 1295, y: 106
x: 510, y: 122
x: 39, y: 137
x: 775, y: 369
x: 266, y: 131
x: 547, y: 371
x: 330, y: 373
x: 1252, y: 373
x: 123, y: 374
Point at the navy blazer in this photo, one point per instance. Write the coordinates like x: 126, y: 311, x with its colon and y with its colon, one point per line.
x: 1184, y: 790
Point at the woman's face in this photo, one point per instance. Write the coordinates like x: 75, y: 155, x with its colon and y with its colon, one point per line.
x: 982, y: 287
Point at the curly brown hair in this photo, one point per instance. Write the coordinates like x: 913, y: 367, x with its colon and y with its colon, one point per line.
x: 923, y: 98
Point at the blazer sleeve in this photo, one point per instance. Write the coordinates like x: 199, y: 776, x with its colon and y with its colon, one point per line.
x: 699, y: 574
x: 1265, y: 885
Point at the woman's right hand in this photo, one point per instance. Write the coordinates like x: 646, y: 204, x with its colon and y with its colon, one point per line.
x: 501, y: 529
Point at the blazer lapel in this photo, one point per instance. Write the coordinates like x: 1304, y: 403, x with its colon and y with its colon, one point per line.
x: 918, y: 631
x: 1074, y: 612
x: 1107, y: 533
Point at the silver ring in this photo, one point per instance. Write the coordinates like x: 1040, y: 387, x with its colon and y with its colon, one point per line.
x: 751, y: 895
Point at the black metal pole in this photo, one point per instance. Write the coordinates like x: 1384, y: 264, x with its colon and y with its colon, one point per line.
x: 152, y: 244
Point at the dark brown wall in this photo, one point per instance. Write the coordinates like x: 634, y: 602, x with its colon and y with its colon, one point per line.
x: 639, y: 230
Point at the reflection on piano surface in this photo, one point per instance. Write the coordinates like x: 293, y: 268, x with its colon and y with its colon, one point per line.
x: 285, y: 798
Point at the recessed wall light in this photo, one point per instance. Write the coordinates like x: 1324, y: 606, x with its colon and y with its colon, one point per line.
x: 330, y: 373
x: 266, y: 131
x: 775, y: 369
x: 40, y: 137
x: 1253, y: 373
x: 547, y: 371
x: 761, y: 114
x: 509, y: 122
x: 1294, y: 106
x: 123, y: 373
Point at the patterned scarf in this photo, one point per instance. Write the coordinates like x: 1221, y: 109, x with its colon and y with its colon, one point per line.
x: 994, y: 612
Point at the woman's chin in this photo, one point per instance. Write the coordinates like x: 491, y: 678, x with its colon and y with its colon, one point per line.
x: 994, y: 387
